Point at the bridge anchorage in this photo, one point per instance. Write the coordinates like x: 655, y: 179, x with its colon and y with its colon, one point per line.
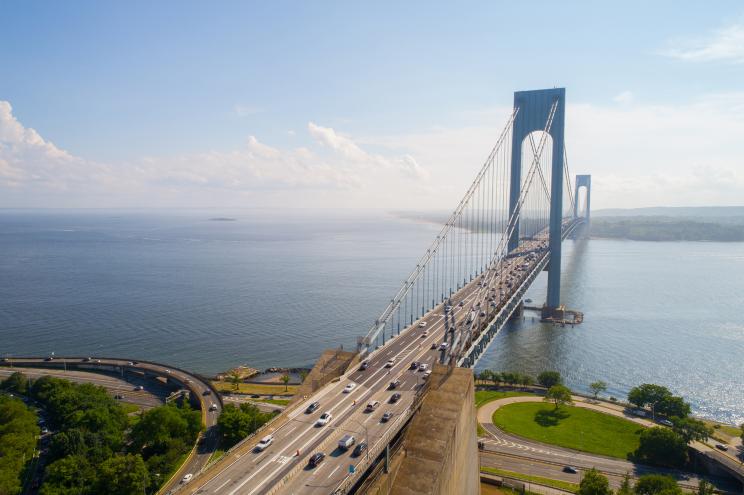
x: 507, y: 228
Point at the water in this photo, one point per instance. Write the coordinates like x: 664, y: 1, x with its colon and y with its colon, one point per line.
x: 277, y: 288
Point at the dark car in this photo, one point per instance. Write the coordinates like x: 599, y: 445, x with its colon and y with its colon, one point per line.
x: 414, y: 365
x: 394, y: 398
x: 359, y: 449
x: 570, y: 469
x: 433, y: 345
x: 364, y: 366
x: 312, y: 408
x: 255, y: 396
x: 394, y: 384
x: 118, y: 397
x: 207, y: 392
x: 50, y: 358
x: 316, y: 459
x: 386, y: 417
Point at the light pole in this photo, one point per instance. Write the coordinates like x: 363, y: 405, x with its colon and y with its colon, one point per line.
x: 366, y: 435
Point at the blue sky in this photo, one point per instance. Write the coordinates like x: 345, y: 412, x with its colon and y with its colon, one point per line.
x: 396, y: 103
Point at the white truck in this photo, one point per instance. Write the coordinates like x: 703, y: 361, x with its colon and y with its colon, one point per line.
x: 346, y: 442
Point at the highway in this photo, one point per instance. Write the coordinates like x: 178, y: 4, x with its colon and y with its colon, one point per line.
x: 152, y: 395
x: 180, y: 378
x: 283, y: 466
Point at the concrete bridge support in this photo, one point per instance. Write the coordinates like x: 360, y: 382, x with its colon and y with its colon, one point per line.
x: 534, y: 110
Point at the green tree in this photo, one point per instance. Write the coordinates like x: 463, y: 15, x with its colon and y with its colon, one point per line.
x: 654, y: 484
x: 672, y: 406
x: 549, y: 378
x: 526, y: 380
x: 625, y: 487
x: 558, y: 394
x: 234, y: 378
x: 594, y: 483
x: 647, y: 394
x: 485, y: 376
x: 495, y: 377
x: 16, y: 382
x: 236, y: 423
x: 691, y: 429
x: 122, y: 475
x: 163, y: 428
x: 285, y: 381
x: 705, y: 488
x: 662, y: 447
x: 18, y: 432
x: 597, y: 388
x: 68, y: 476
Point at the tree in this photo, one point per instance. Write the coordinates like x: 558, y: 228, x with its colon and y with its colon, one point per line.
x: 742, y: 432
x: 648, y: 393
x: 285, y: 381
x: 594, y: 483
x: 558, y: 394
x: 495, y: 377
x: 236, y: 423
x: 662, y: 447
x: 671, y: 406
x: 234, y: 378
x: 303, y: 375
x: 625, y: 487
x: 705, y: 488
x: 691, y: 429
x: 122, y: 475
x: 164, y: 428
x: 17, y: 382
x: 598, y: 387
x: 526, y: 380
x: 485, y: 376
x: 549, y: 378
x: 653, y: 484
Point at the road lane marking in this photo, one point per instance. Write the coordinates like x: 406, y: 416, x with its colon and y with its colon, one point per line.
x: 334, y: 470
x: 221, y: 486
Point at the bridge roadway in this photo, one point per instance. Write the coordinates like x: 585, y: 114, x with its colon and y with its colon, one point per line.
x: 181, y: 378
x: 279, y: 468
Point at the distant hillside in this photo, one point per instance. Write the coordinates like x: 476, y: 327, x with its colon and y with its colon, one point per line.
x: 707, y: 212
x: 666, y: 229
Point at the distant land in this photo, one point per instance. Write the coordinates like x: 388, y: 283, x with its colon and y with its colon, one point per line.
x: 222, y: 219
x: 660, y: 223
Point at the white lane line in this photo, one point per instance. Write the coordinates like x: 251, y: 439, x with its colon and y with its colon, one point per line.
x: 221, y: 486
x: 334, y: 470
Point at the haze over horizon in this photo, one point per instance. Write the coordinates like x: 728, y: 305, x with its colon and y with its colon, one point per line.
x: 346, y: 106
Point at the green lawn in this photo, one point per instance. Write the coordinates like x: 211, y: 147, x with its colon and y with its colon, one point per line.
x: 485, y: 396
x: 572, y: 427
x: 276, y: 402
x: 561, y: 485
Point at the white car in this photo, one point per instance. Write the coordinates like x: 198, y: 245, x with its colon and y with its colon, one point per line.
x: 422, y: 324
x: 349, y: 388
x: 425, y: 334
x: 264, y: 443
x: 213, y: 407
x: 443, y: 346
x: 427, y: 373
x: 390, y: 363
x: 324, y: 419
x: 187, y: 478
x: 422, y: 367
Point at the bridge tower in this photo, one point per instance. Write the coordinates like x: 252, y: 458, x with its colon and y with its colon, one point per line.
x: 583, y: 181
x: 534, y: 111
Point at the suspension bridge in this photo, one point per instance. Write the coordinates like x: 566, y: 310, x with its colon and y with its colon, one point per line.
x: 507, y: 228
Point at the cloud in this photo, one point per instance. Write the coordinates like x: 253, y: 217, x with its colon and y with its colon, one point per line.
x: 34, y: 172
x: 724, y: 44
x: 245, y: 110
x: 624, y: 98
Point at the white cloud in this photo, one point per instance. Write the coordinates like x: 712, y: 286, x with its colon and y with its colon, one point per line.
x: 624, y: 98
x: 725, y: 44
x: 245, y: 110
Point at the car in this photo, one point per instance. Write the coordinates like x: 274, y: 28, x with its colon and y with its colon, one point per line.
x: 394, y: 398
x: 186, y: 478
x: 44, y: 430
x: 213, y: 407
x: 139, y: 388
x: 87, y: 359
x: 482, y: 314
x: 187, y: 380
x: 425, y: 334
x: 447, y: 309
x: 130, y: 363
x: 443, y: 346
x: 423, y: 367
x: 264, y: 443
x: 414, y: 365
x: 255, y: 396
x: 316, y: 459
x: 348, y: 388
x: 570, y: 469
x: 312, y: 407
x: 390, y: 363
x: 364, y: 365
x: 722, y: 447
x: 98, y: 361
x: 427, y: 373
x: 50, y: 358
x: 462, y: 303
x: 207, y: 392
x: 167, y: 371
x: 359, y: 449
x: 386, y: 417
x: 118, y: 397
x: 666, y: 422
x: 433, y: 345
x: 394, y: 384
x: 371, y: 406
x: 324, y: 419
x: 422, y: 324
x: 346, y: 442
x: 135, y: 363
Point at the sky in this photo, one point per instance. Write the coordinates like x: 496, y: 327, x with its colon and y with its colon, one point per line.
x: 380, y: 104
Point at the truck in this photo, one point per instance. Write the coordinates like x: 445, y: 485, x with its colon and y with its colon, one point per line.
x: 346, y: 442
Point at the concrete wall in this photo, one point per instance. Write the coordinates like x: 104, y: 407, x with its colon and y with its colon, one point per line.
x: 440, y: 451
x: 332, y: 364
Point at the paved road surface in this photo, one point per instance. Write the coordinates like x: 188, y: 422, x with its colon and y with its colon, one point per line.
x: 259, y: 472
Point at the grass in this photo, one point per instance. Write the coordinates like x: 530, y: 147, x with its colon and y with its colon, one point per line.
x: 481, y: 430
x: 129, y: 408
x: 254, y: 388
x: 216, y: 456
x: 561, y: 485
x: 276, y: 402
x: 485, y: 396
x: 729, y: 430
x: 488, y: 489
x: 571, y: 427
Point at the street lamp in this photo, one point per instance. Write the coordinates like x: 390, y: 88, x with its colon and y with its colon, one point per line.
x: 366, y: 435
